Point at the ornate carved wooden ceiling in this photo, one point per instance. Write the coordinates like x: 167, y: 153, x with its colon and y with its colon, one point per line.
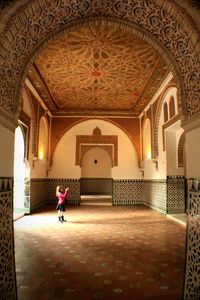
x: 98, y: 69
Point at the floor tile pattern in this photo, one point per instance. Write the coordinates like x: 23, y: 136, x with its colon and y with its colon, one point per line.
x: 101, y: 252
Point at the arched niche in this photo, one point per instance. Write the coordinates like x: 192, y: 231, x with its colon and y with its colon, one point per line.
x: 146, y: 138
x: 43, y: 139
x: 181, y: 150
x: 165, y: 111
x: 172, y: 111
x: 96, y: 163
x: 107, y: 142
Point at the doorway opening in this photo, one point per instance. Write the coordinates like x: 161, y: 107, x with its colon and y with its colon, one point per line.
x: 21, y: 189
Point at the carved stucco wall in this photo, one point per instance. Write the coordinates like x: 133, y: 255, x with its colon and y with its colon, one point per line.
x: 192, y: 286
x: 158, y: 22
x: 7, y: 259
x: 5, y: 3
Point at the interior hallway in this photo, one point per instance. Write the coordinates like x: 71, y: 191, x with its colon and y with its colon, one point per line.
x: 102, y: 252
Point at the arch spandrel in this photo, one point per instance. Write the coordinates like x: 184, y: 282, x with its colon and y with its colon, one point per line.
x: 34, y: 22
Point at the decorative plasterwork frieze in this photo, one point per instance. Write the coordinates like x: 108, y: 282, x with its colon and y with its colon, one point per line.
x: 7, y: 123
x: 8, y: 286
x: 40, y: 86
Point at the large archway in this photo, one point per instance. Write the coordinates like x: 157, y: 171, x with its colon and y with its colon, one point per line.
x: 30, y: 24
x: 34, y: 23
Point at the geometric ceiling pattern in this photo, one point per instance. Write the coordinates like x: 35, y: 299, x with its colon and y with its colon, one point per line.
x: 97, y: 69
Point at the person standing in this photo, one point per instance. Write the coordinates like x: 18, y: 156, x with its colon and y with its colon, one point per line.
x: 62, y: 195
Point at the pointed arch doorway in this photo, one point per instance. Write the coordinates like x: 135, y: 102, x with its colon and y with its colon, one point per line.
x: 21, y: 189
x: 183, y: 41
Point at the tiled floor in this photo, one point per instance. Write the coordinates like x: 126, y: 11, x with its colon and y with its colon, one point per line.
x: 100, y: 253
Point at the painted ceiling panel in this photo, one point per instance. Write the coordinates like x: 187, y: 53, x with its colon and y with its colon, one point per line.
x: 98, y: 68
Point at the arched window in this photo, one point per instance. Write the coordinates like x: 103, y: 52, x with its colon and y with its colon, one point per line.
x: 147, y: 139
x: 43, y: 139
x: 165, y: 109
x: 171, y: 107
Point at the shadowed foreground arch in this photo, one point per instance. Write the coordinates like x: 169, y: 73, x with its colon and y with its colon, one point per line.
x: 27, y: 27
x: 38, y: 21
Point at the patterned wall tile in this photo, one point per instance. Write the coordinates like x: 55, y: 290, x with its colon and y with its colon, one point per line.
x: 37, y: 193
x: 7, y: 260
x: 127, y: 192
x: 73, y: 184
x: 155, y: 194
x: 192, y: 273
x: 96, y: 186
x: 152, y: 193
x: 176, y: 194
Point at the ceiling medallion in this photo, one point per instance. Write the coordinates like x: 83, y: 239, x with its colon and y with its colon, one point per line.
x: 96, y: 73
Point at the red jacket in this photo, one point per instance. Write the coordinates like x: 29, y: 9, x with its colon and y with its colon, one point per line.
x: 61, y: 197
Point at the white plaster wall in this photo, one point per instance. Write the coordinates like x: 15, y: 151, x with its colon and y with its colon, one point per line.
x: 6, y: 152
x: 63, y: 165
x: 192, y: 142
x: 171, y: 152
x: 39, y: 167
x: 102, y: 167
